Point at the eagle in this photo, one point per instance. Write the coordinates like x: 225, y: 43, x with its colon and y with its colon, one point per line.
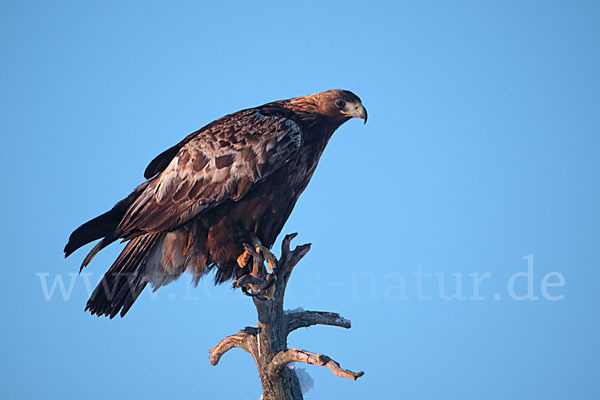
x: 232, y: 182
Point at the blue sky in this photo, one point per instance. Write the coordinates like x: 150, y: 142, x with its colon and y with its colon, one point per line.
x: 481, y: 149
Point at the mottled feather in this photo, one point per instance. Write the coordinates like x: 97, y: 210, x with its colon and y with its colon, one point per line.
x: 204, y: 172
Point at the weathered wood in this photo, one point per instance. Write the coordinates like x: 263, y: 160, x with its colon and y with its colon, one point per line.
x: 268, y: 341
x: 283, y: 358
x: 304, y: 319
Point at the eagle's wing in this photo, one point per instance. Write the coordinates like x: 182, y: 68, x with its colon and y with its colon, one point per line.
x: 221, y: 161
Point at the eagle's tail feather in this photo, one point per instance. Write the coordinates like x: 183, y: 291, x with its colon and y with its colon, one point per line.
x: 97, y: 228
x: 103, y: 226
x: 125, y: 280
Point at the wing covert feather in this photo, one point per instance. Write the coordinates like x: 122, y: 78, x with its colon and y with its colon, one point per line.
x: 222, y: 161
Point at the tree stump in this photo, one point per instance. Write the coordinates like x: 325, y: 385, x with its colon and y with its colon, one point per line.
x: 267, y: 342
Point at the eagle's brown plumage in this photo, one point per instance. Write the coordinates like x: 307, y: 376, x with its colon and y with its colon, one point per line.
x: 236, y: 179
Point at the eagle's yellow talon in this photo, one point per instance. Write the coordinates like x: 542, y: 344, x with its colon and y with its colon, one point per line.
x: 270, y: 257
x: 243, y: 259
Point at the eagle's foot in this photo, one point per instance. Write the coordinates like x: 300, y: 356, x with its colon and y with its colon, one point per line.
x: 270, y: 257
x: 257, y: 287
x: 244, y: 258
x: 260, y: 281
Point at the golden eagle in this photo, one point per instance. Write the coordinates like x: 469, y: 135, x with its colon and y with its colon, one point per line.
x: 234, y: 181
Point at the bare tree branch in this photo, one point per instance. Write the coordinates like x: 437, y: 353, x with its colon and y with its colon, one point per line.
x: 305, y: 319
x: 267, y: 342
x: 289, y: 259
x: 240, y: 339
x: 287, y: 356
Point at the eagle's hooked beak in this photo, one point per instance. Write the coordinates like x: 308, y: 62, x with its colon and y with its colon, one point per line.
x: 357, y: 111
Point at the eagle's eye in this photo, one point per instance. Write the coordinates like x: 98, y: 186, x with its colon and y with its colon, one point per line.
x: 340, y: 104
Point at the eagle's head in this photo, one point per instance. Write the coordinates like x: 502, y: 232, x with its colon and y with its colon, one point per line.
x: 339, y: 105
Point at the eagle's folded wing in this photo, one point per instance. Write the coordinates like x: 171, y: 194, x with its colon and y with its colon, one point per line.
x: 221, y: 161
